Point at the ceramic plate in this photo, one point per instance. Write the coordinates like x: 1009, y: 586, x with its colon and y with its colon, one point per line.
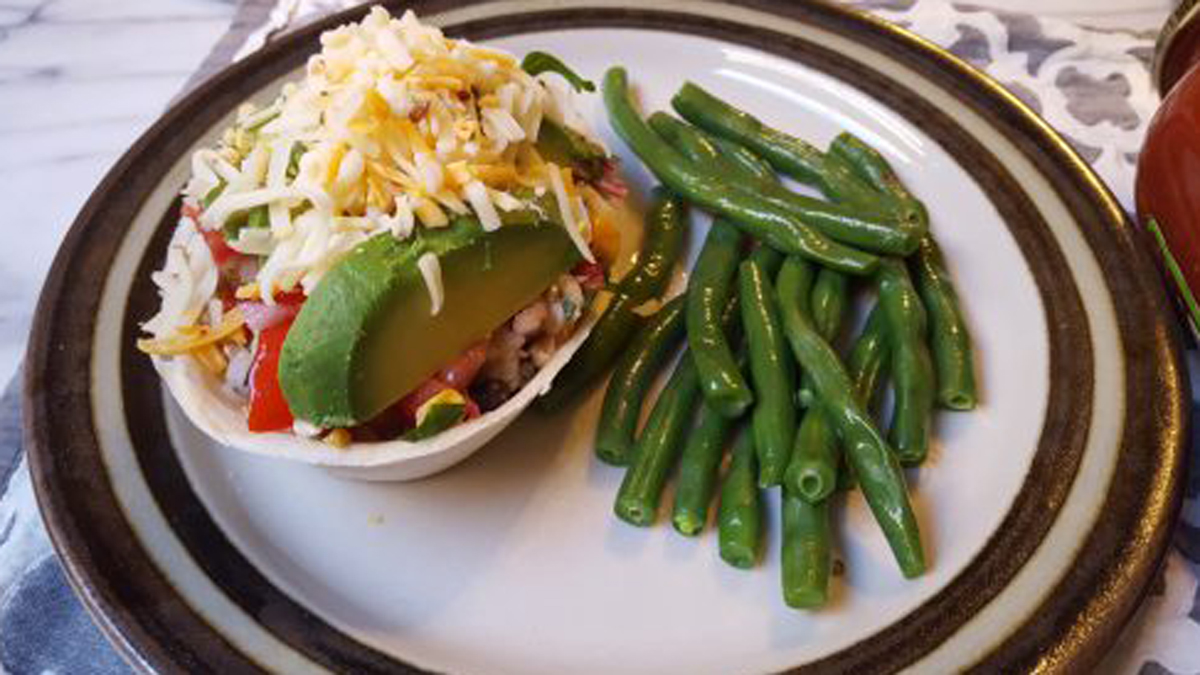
x: 1045, y: 511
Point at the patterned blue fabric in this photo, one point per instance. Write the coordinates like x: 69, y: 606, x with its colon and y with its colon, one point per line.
x: 1092, y: 85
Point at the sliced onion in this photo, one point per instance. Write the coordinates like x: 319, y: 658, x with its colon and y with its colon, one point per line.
x: 260, y: 316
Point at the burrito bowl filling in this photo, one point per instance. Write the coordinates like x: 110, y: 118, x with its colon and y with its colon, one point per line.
x: 396, y: 243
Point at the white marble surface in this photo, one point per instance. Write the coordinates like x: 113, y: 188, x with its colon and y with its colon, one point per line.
x: 79, y: 80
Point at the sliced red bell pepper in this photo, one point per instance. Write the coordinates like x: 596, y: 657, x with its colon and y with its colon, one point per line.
x: 268, y: 408
x: 590, y: 275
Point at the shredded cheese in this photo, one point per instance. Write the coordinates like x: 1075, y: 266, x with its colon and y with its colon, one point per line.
x: 392, y: 127
x: 567, y: 210
x: 431, y: 272
x: 201, y: 336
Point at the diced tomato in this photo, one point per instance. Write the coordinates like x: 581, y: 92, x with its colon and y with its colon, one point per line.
x: 590, y: 275
x: 190, y: 211
x: 462, y: 371
x: 268, y: 408
x: 472, y: 409
x: 222, y: 254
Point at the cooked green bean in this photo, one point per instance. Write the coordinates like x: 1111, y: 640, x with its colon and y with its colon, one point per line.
x: 830, y: 300
x: 709, y: 288
x: 736, y: 153
x: 874, y: 463
x: 773, y: 225
x: 746, y: 172
x: 665, y: 232
x: 794, y: 157
x: 813, y: 467
x: 611, y: 333
x: 948, y: 336
x: 658, y: 446
x: 698, y: 467
x: 866, y: 365
x: 869, y: 358
x: 786, y: 153
x: 871, y: 166
x: 912, y: 368
x: 631, y: 378
x: 773, y: 419
x: 806, y: 553
x: 739, y: 517
x: 949, y: 339
x: 698, y: 148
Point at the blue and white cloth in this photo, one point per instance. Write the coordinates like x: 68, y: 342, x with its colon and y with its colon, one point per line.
x: 1092, y: 85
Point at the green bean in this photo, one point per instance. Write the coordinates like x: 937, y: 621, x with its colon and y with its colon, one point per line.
x: 773, y: 419
x: 948, y: 336
x: 813, y: 467
x: 874, y: 464
x: 739, y: 517
x: 807, y: 551
x: 658, y: 446
x: 698, y: 467
x: 698, y: 148
x: 814, y: 453
x: 702, y: 454
x: 751, y: 163
x: 786, y: 153
x: 610, y: 334
x: 665, y: 231
x: 949, y: 339
x: 773, y: 225
x: 870, y: 165
x: 869, y: 358
x: 745, y: 171
x: 792, y: 156
x: 912, y: 368
x: 721, y: 381
x: 631, y: 378
x: 830, y: 300
x: 867, y: 362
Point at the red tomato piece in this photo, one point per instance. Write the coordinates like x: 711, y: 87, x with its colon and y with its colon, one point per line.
x: 191, y: 212
x: 590, y: 275
x: 268, y: 408
x: 221, y: 252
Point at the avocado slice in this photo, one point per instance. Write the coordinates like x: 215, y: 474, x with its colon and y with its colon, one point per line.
x: 365, y: 337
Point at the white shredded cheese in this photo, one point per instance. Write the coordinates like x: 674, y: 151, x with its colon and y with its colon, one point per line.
x: 398, y: 127
x: 431, y: 272
x: 477, y: 195
x: 567, y: 211
x: 403, y: 221
x: 228, y: 204
x: 187, y: 281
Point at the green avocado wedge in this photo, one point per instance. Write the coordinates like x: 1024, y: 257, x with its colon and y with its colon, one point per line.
x: 366, y: 335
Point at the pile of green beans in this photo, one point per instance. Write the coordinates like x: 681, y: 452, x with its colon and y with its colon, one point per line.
x: 774, y: 291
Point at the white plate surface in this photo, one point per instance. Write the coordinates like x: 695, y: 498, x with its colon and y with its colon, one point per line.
x: 513, y: 561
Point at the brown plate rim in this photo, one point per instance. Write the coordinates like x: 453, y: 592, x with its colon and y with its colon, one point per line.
x: 1126, y: 569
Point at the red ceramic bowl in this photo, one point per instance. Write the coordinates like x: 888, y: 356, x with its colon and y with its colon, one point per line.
x: 1168, y: 176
